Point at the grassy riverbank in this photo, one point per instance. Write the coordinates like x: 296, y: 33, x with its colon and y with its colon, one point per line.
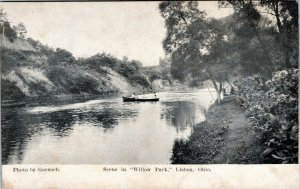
x: 225, y: 137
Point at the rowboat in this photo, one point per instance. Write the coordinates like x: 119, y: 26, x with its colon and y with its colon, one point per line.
x: 134, y: 99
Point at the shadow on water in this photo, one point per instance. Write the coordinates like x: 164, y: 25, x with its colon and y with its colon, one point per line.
x: 16, y: 131
x: 106, y: 118
x: 18, y: 128
x: 61, y: 122
x: 181, y: 114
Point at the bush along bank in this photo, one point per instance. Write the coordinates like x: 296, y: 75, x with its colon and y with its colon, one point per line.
x: 272, y: 107
x: 258, y: 125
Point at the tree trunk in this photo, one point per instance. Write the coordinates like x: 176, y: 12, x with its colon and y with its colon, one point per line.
x: 287, y: 57
x: 229, y: 83
x: 220, y: 91
x: 282, y: 37
x: 218, y: 97
x: 269, y: 64
x: 221, y: 86
x: 213, y: 80
x: 276, y: 11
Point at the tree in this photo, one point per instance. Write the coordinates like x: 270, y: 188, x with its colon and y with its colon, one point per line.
x: 249, y: 18
x: 3, y: 16
x: 221, y: 56
x: 41, y: 47
x: 286, y: 15
x: 189, y: 41
x: 60, y: 56
x: 9, y: 32
x: 137, y: 64
x: 102, y: 60
x: 153, y: 75
x: 284, y: 39
x: 125, y: 59
x: 21, y: 30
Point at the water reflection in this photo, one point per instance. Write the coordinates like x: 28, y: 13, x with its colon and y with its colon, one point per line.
x: 181, y: 114
x: 15, y: 132
x: 107, y: 131
x: 61, y: 122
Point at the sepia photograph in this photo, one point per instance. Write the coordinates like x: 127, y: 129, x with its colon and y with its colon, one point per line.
x: 161, y: 82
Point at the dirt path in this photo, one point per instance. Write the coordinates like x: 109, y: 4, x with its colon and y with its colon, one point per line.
x: 225, y: 137
x: 241, y: 144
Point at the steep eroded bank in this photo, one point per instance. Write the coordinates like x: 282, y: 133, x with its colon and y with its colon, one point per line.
x: 31, y: 70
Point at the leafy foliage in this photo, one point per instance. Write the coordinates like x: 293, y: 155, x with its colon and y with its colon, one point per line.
x: 196, y: 45
x: 11, y: 59
x: 10, y: 91
x: 20, y: 30
x: 9, y: 32
x: 129, y: 69
x: 68, y: 74
x: 273, y: 110
x: 61, y: 56
x: 45, y: 49
x: 195, y: 151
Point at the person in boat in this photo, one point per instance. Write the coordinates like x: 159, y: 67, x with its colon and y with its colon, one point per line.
x: 155, y: 95
x: 232, y: 91
x: 224, y: 92
x: 134, y: 96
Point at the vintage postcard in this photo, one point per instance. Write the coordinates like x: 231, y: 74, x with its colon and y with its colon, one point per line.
x: 161, y: 94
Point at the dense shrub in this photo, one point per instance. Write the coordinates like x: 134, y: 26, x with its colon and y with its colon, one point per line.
x: 11, y: 58
x: 131, y: 70
x: 9, y: 91
x: 45, y: 49
x: 139, y: 79
x: 272, y: 107
x: 99, y: 60
x: 71, y: 81
x: 10, y: 33
x: 61, y: 55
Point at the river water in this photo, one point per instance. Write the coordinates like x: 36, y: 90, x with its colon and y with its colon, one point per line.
x: 102, y: 131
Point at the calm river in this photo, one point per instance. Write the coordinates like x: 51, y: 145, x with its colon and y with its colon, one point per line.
x: 101, y: 131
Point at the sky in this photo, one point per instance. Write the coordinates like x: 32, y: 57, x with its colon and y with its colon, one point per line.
x: 132, y: 29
